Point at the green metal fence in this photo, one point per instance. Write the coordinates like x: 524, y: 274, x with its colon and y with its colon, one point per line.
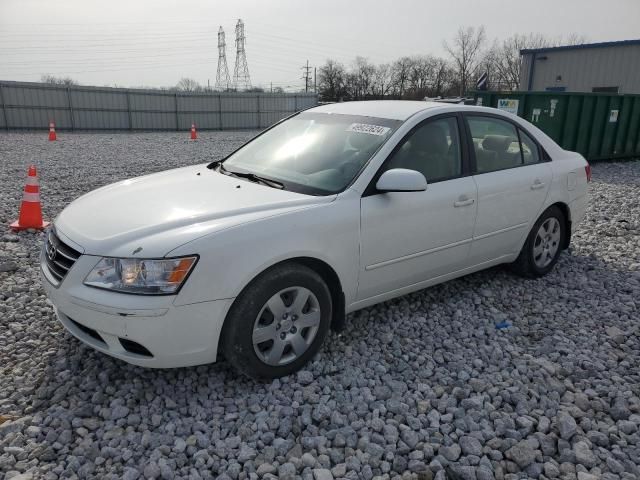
x: 597, y: 125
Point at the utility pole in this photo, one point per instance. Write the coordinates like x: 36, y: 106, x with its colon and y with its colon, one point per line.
x: 315, y: 80
x: 241, y: 78
x: 306, y: 76
x: 222, y: 76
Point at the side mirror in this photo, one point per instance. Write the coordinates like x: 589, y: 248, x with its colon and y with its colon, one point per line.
x: 401, y: 180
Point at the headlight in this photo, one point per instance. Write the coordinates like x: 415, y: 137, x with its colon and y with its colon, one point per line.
x: 140, y: 276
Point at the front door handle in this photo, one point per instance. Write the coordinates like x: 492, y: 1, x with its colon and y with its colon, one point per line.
x: 463, y: 202
x: 537, y: 184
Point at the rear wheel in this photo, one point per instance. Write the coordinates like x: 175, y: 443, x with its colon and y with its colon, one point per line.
x: 278, y: 322
x: 543, y: 246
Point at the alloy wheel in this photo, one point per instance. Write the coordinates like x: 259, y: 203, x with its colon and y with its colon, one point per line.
x: 286, y: 326
x: 547, y: 242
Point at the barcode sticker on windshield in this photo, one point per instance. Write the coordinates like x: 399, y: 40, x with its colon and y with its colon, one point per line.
x: 366, y: 128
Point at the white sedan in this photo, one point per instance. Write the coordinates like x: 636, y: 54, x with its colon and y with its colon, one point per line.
x: 334, y: 209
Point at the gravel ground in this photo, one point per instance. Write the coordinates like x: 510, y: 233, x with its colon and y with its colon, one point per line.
x: 420, y: 387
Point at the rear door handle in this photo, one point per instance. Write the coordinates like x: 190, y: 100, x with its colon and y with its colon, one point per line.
x: 537, y: 184
x: 463, y: 202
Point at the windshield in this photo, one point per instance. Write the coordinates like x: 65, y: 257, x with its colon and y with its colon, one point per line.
x: 315, y: 153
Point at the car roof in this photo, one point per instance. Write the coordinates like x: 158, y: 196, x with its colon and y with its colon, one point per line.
x: 393, y: 109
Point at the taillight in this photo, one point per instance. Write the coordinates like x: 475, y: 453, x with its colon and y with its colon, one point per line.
x: 587, y: 170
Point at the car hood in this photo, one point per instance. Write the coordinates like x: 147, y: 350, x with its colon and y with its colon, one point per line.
x: 151, y: 215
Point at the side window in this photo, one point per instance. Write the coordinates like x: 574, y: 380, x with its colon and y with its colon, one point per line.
x: 433, y: 150
x: 495, y: 143
x: 530, y: 152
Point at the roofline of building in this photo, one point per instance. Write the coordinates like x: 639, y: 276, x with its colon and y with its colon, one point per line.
x: 618, y: 43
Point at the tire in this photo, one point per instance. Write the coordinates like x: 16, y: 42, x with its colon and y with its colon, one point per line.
x: 539, y: 255
x: 268, y: 332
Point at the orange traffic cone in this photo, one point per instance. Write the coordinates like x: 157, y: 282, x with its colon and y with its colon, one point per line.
x: 52, y: 132
x: 30, y: 211
x: 194, y: 134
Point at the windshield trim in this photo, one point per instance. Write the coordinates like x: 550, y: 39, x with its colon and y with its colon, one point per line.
x: 287, y: 186
x: 307, y: 189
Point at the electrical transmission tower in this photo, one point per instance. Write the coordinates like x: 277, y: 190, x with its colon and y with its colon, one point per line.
x: 222, y: 76
x: 306, y: 76
x: 241, y: 78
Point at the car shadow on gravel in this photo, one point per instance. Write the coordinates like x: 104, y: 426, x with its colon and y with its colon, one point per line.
x: 440, y: 336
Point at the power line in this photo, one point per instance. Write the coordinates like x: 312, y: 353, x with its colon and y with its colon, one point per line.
x: 171, y: 38
x: 123, y: 45
x: 136, y: 60
x: 131, y: 68
x: 65, y: 56
x: 189, y: 39
x: 339, y: 35
x: 130, y: 48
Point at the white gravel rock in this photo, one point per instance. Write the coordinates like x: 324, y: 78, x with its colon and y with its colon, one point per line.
x: 423, y: 386
x: 322, y: 474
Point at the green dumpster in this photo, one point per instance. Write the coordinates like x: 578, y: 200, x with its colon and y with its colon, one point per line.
x: 597, y: 125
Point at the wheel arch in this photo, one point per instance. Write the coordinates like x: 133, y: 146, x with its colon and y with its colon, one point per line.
x: 328, y: 274
x: 566, y: 212
x: 331, y: 278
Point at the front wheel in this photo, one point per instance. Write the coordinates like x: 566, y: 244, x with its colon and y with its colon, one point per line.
x: 278, y: 322
x: 543, y: 246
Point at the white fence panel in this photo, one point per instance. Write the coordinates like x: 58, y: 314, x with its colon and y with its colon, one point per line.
x: 25, y: 105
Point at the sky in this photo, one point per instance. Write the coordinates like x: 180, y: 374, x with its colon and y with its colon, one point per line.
x: 155, y: 43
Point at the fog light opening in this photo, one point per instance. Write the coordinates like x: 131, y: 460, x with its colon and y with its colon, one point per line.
x: 134, y: 347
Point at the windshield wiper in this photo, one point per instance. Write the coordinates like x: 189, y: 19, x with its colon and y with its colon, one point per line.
x: 252, y: 177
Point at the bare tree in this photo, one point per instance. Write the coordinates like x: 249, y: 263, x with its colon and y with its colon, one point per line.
x: 351, y: 86
x: 363, y: 81
x: 466, y: 51
x: 188, y: 85
x: 443, y: 79
x: 331, y: 81
x: 382, y: 80
x: 503, y: 60
x: 53, y: 80
x: 400, y: 70
x: 421, y: 75
x: 573, y: 39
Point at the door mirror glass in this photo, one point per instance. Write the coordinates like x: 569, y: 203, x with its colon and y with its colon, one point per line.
x: 401, y: 180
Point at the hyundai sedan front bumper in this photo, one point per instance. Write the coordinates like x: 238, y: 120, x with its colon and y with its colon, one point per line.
x: 150, y: 331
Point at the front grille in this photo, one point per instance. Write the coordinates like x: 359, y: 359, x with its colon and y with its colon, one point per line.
x: 58, y: 256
